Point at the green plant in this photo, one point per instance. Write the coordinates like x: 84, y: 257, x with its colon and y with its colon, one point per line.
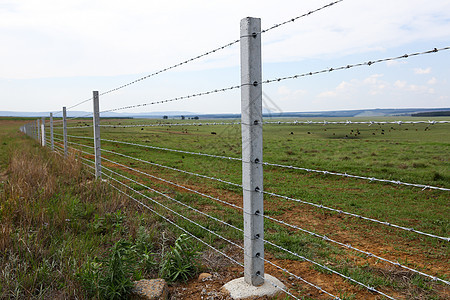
x: 115, y: 279
x: 180, y: 262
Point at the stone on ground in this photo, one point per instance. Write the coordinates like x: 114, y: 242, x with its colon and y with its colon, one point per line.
x: 154, y: 289
x: 239, y: 289
x: 204, y: 276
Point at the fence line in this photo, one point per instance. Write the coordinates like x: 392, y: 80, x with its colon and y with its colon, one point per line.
x: 397, y: 182
x: 252, y: 185
x: 348, y: 246
x: 287, y: 198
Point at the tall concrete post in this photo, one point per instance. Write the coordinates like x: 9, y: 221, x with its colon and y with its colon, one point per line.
x: 65, y: 131
x: 252, y: 172
x: 43, y: 131
x: 97, y: 148
x: 52, y: 141
x: 38, y: 130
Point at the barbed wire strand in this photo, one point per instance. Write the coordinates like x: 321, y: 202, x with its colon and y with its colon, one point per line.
x: 397, y: 182
x: 299, y: 278
x: 368, y: 63
x: 173, y: 183
x: 300, y: 229
x: 348, y: 122
x: 301, y: 16
x: 174, y: 169
x: 168, y: 220
x: 287, y: 198
x: 174, y: 200
x: 178, y: 214
x: 127, y: 178
x: 348, y: 246
x: 174, y: 99
x: 372, y: 289
x: 293, y: 226
x: 355, y: 215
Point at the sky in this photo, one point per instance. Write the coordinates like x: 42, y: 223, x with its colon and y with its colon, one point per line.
x: 55, y: 53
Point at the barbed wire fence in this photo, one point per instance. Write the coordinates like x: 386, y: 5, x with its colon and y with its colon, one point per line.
x: 137, y: 180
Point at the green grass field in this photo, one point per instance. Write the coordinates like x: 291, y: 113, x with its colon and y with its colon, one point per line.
x: 409, y: 153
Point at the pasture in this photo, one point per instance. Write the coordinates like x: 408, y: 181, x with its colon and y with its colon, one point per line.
x: 411, y: 153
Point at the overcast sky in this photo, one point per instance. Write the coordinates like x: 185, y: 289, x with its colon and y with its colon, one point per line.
x: 54, y: 53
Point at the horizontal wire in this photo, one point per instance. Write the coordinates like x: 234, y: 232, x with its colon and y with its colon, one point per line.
x: 368, y: 63
x: 170, y: 124
x: 299, y: 278
x: 284, y: 290
x: 127, y: 178
x: 397, y: 182
x: 179, y: 202
x: 288, y: 198
x: 324, y: 237
x: 178, y: 214
x: 372, y: 289
x: 355, y: 215
x: 276, y: 220
x: 284, y: 223
x: 173, y: 183
x: 348, y: 122
x: 174, y: 169
x: 301, y: 16
x: 168, y: 220
x: 172, y: 150
x: 267, y: 122
x: 174, y: 99
x: 172, y: 67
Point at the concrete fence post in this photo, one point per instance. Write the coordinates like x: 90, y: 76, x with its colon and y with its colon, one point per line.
x: 52, y: 141
x: 43, y: 131
x: 38, y: 130
x: 65, y: 131
x: 97, y: 148
x: 252, y: 172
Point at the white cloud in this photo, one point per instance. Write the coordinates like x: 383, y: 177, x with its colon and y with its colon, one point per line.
x: 400, y: 84
x: 421, y: 71
x: 432, y: 81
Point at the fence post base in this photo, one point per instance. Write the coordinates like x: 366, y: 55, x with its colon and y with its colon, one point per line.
x: 239, y: 289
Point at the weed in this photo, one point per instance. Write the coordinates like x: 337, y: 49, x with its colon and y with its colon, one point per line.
x: 179, y: 263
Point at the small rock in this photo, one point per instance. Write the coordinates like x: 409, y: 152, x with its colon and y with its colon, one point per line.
x: 154, y: 289
x: 204, y: 276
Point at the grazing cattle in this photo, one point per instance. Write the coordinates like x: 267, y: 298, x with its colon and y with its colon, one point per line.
x: 212, y: 132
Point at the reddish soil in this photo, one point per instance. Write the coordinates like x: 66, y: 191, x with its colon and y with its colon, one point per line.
x: 359, y: 234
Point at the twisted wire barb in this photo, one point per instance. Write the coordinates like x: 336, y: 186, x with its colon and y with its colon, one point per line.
x: 368, y: 63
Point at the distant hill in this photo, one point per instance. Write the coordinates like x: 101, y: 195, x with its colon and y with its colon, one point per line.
x: 379, y: 112
x: 432, y: 114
